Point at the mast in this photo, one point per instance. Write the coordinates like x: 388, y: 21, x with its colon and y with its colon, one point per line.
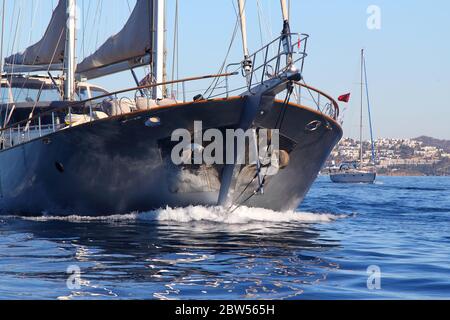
x: 287, y: 43
x: 1, y: 36
x: 159, y: 46
x: 69, y: 52
x: 243, y: 19
x: 285, y: 10
x: 362, y: 104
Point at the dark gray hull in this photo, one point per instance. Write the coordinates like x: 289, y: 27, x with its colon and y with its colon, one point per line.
x: 119, y: 165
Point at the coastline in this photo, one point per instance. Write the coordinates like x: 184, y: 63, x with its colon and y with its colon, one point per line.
x: 403, y: 174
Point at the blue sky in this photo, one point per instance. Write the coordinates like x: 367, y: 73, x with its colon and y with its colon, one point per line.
x: 408, y: 60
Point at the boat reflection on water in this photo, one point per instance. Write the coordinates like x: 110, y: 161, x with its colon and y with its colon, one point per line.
x: 165, y: 256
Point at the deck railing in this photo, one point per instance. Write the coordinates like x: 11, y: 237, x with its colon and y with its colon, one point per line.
x: 272, y: 60
x: 267, y: 63
x: 311, y: 97
x: 276, y: 58
x: 60, y: 118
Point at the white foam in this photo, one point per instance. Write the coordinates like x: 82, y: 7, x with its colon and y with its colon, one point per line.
x: 242, y: 215
x: 77, y: 218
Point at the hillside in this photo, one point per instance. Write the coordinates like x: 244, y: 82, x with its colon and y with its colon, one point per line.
x: 421, y: 156
x: 428, y: 141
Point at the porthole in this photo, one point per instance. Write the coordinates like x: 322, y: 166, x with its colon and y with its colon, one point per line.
x: 153, y: 122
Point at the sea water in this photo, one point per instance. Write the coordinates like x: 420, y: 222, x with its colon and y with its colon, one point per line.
x: 390, y: 240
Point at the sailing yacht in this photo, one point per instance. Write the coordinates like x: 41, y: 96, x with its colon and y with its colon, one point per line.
x: 70, y: 147
x: 358, y: 172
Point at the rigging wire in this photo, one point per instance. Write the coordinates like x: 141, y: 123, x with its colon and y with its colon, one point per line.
x: 16, y: 32
x: 1, y: 51
x: 83, y: 17
x: 12, y: 49
x: 19, y: 92
x: 10, y: 23
x: 94, y: 24
x: 369, y: 111
x: 33, y: 18
x: 316, y: 102
x: 215, y: 82
x: 42, y: 85
x: 98, y: 29
x: 258, y: 5
x: 175, y: 48
x: 269, y: 21
x: 2, y: 35
x: 265, y: 22
x: 33, y: 13
x: 178, y: 52
x: 3, y: 42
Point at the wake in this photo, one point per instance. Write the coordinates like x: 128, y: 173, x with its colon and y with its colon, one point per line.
x: 219, y: 215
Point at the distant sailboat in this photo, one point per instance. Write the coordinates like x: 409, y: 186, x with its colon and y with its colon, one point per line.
x: 75, y: 148
x: 358, y: 172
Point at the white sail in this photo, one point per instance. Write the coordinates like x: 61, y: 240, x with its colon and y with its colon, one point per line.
x: 125, y: 49
x: 50, y: 49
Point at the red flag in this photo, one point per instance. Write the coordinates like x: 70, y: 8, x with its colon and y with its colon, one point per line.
x: 345, y: 98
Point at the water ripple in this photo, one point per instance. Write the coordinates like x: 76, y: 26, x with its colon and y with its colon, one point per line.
x: 321, y: 251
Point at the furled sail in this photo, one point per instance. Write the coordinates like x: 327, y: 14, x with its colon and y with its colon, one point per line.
x: 125, y: 49
x: 50, y: 49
